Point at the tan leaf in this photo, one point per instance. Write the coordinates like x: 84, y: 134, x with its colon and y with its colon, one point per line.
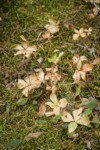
x: 56, y: 110
x: 29, y: 83
x: 23, y: 38
x: 84, y: 120
x: 75, y: 59
x: 50, y: 113
x: 52, y: 74
x: 52, y: 27
x: 31, y: 136
x: 77, y: 113
x: 75, y: 37
x: 96, y: 61
x: 87, y: 67
x: 24, y: 48
x: 66, y: 117
x: 63, y: 102
x: 42, y: 109
x: 77, y: 76
x: 46, y: 35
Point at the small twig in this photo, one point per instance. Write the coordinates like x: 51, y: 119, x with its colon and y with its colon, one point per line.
x: 95, y: 4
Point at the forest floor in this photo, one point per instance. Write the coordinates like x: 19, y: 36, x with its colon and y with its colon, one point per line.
x: 28, y: 18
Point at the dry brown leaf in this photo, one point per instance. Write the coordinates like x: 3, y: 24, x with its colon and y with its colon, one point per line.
x: 78, y: 33
x: 31, y: 136
x: 51, y: 88
x: 31, y: 82
x: 96, y: 61
x: 24, y: 48
x: 42, y: 109
x: 46, y: 35
x: 52, y: 74
x: 87, y: 67
x: 52, y: 27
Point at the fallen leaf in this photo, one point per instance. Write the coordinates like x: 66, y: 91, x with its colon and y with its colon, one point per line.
x: 88, y: 144
x: 52, y: 74
x: 42, y: 109
x: 40, y: 60
x: 97, y: 1
x: 87, y: 67
x: 78, y: 33
x: 46, y: 35
x: 31, y: 136
x: 52, y: 27
x: 30, y: 83
x: 66, y: 117
x: 72, y: 127
x: 96, y: 61
x: 77, y: 114
x: 24, y: 48
x: 84, y: 120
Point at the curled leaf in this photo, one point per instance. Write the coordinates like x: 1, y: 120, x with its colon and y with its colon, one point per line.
x: 31, y: 136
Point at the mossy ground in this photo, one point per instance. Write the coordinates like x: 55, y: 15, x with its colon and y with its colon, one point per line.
x: 28, y: 18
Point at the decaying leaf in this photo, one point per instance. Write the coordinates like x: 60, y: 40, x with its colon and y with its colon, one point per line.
x: 46, y: 35
x: 96, y: 61
x: 56, y: 57
x: 55, y: 104
x: 94, y: 13
x: 66, y: 117
x: 24, y: 48
x: 51, y: 88
x: 42, y: 109
x: 81, y: 33
x: 72, y: 127
x: 31, y: 136
x: 52, y: 74
x: 88, y: 144
x: 77, y: 118
x: 97, y: 1
x: 53, y: 26
x: 81, y: 74
x: 78, y: 60
x: 87, y: 67
x: 30, y: 83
